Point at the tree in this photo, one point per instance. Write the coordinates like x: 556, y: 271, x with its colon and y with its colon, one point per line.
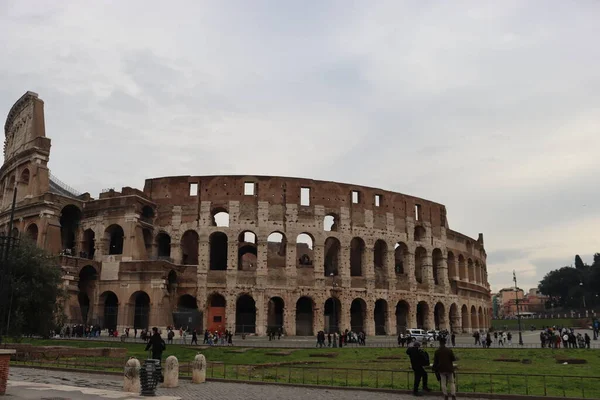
x: 36, y: 298
x: 579, y: 263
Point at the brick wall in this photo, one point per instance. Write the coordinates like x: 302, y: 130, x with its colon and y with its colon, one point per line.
x: 4, y: 363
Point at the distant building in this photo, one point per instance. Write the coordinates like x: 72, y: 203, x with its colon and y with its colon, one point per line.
x: 532, y: 302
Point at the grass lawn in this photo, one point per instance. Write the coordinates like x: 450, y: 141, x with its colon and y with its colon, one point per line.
x: 478, y: 369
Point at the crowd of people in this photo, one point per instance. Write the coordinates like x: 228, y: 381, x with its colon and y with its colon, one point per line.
x: 340, y: 339
x: 553, y: 337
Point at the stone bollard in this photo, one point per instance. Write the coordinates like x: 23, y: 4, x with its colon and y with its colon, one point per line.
x: 171, y: 373
x: 199, y: 369
x: 131, y: 380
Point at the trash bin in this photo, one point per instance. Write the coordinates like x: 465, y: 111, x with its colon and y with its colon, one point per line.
x: 150, y: 375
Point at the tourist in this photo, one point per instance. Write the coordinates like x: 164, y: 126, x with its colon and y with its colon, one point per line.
x: 157, y: 345
x: 509, y: 338
x: 194, y: 337
x: 443, y: 366
x: 453, y: 339
x: 418, y: 359
x: 587, y: 341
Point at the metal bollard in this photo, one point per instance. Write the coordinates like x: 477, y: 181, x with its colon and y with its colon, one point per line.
x: 131, y: 379
x: 199, y: 369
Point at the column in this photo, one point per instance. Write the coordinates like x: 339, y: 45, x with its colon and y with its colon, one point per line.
x: 391, y: 328
x: 410, y: 270
x: 428, y: 271
x: 289, y: 318
x: 369, y: 319
x: 176, y: 250
x: 261, y: 313
x: 412, y: 316
x: 345, y: 315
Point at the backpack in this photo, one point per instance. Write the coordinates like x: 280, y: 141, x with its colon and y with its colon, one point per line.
x: 424, y: 358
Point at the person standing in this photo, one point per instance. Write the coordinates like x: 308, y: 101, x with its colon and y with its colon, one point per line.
x: 418, y: 360
x: 443, y: 365
x: 453, y: 339
x: 194, y: 337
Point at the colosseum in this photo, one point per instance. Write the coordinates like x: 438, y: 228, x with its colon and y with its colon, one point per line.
x: 244, y: 253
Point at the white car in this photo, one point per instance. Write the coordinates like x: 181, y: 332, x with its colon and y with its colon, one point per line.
x: 420, y: 335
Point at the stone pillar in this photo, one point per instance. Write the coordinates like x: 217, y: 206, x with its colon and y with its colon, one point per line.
x: 428, y: 271
x: 176, y: 250
x: 443, y: 274
x: 345, y: 315
x: 391, y: 328
x: 289, y: 319
x: 171, y: 373
x: 391, y: 269
x: 369, y: 264
x: 318, y: 317
x: 429, y: 318
x: 319, y: 260
x: 261, y: 314
x: 369, y: 320
x: 131, y: 376
x: 4, y: 366
x: 410, y: 270
x: 199, y: 369
x: 412, y: 316
x: 344, y: 266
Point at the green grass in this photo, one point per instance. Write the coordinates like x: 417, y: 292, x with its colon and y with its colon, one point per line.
x: 478, y: 372
x: 539, y: 323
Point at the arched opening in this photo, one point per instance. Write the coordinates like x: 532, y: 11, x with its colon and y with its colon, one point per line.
x: 87, y: 280
x: 438, y: 259
x: 420, y: 261
x: 332, y: 312
x: 402, y: 309
x: 111, y: 310
x: 147, y: 214
x: 471, y: 270
x: 32, y: 232
x: 332, y: 256
x: 305, y: 250
x: 380, y: 263
x: 400, y: 258
x: 454, y: 319
x: 275, y: 310
x: 358, y: 313
x: 330, y: 223
x: 172, y: 282
x: 25, y: 177
x: 218, y: 251
x: 474, y: 319
x: 452, y: 271
x: 304, y: 316
x: 216, y: 313
x: 276, y: 250
x: 245, y: 314
x: 247, y: 251
x: 89, y: 246
x: 220, y: 217
x: 357, y: 254
x: 462, y: 268
x: 70, y: 217
x: 422, y: 315
x: 381, y: 315
x: 477, y: 272
x: 163, y: 245
x: 419, y: 233
x: 464, y: 311
x: 187, y: 315
x: 481, y: 319
x: 439, y: 316
x: 189, y: 248
x: 147, y: 235
x: 141, y: 310
x: 115, y: 236
x: 84, y: 307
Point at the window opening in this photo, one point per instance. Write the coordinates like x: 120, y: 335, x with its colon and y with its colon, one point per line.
x: 304, y: 196
x: 193, y: 189
x: 249, y: 189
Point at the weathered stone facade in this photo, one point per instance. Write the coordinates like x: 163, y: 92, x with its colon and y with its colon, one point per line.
x: 244, y: 252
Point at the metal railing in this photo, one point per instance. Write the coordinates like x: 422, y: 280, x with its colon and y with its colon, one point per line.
x: 539, y: 385
x: 64, y: 187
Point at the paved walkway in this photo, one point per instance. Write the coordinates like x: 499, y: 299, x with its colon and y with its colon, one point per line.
x: 26, y: 383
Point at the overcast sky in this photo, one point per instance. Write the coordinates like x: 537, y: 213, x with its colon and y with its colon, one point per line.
x: 491, y: 108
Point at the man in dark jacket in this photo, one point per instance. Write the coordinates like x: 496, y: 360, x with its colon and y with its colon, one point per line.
x: 443, y: 365
x: 157, y: 344
x: 418, y: 360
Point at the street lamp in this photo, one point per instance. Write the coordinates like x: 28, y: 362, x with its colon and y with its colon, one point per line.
x: 518, y: 312
x: 582, y: 294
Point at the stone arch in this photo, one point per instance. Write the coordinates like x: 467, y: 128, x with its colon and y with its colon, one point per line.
x: 437, y: 258
x: 32, y: 232
x: 331, y: 222
x: 420, y: 233
x: 305, y: 253
x: 380, y: 257
x: 189, y: 247
x: 89, y: 244
x: 420, y: 261
x: 454, y: 318
x: 220, y: 217
x: 276, y: 250
x: 423, y: 315
x: 172, y: 281
x: 88, y: 277
x: 247, y: 252
x: 471, y: 270
x: 380, y: 316
x: 218, y: 251
x: 245, y: 314
x: 439, y: 316
x: 401, y: 255
x: 140, y: 302
x: 402, y: 313
x: 358, y: 315
x: 464, y: 311
x: 187, y: 314
x: 452, y: 270
x: 333, y: 313
x: 474, y: 319
x: 216, y: 310
x: 110, y: 310
x: 357, y: 256
x: 147, y: 214
x: 163, y: 246
x: 25, y: 177
x: 70, y: 219
x: 332, y: 256
x: 275, y: 314
x: 462, y: 268
x: 305, y: 307
x: 114, y: 236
